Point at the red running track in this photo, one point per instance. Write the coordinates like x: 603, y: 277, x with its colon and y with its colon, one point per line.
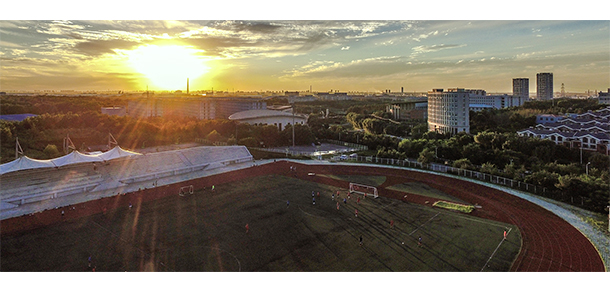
x: 549, y: 242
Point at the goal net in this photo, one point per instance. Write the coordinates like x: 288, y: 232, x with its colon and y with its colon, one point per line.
x: 186, y: 190
x: 363, y: 190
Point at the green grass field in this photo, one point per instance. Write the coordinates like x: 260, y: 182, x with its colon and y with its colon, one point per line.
x: 206, y: 232
x: 422, y: 189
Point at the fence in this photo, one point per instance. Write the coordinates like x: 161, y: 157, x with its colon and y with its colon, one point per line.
x: 514, y: 184
x: 351, y: 148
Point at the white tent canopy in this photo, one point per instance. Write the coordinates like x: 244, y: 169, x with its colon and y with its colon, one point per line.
x: 75, y: 157
x: 24, y: 162
x: 116, y: 152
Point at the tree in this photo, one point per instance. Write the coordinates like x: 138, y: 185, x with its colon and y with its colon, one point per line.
x: 426, y: 156
x: 214, y: 136
x: 463, y: 163
x: 51, y: 151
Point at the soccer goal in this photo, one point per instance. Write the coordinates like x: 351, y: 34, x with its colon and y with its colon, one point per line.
x: 186, y: 190
x: 363, y: 189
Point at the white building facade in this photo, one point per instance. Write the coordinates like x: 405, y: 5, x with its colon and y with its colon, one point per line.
x: 448, y: 111
x: 279, y: 119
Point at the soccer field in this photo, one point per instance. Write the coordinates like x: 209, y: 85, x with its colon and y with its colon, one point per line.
x: 206, y: 231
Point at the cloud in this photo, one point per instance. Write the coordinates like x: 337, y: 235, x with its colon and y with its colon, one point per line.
x: 425, y: 36
x: 434, y: 48
x: 344, y: 48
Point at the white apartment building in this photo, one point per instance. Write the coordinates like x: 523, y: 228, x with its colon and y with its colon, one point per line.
x: 448, y: 111
x: 479, y: 97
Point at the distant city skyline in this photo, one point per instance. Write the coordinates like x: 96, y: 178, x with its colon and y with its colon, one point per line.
x: 365, y: 56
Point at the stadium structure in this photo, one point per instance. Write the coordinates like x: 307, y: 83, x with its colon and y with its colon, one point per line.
x: 30, y: 185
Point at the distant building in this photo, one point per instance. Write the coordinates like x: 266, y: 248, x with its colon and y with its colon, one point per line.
x: 588, y: 131
x: 521, y: 88
x: 604, y: 97
x: 448, y: 111
x: 334, y: 96
x: 279, y: 119
x: 199, y: 108
x: 120, y: 111
x: 548, y: 118
x: 479, y: 100
x: 544, y: 86
x: 408, y: 110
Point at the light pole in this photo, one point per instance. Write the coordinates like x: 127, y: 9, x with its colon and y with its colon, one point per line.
x: 293, y: 125
x: 587, y: 167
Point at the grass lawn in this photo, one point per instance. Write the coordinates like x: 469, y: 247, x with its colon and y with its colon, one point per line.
x: 423, y: 189
x: 360, y: 179
x: 206, y: 232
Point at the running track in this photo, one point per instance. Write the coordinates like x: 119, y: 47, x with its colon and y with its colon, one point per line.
x: 549, y: 242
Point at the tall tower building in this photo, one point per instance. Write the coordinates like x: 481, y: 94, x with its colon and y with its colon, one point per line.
x: 521, y: 88
x: 449, y: 111
x: 544, y: 86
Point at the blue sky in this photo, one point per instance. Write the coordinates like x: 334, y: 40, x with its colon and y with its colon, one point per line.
x: 344, y: 55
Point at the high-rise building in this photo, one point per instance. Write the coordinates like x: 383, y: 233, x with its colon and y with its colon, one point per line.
x: 544, y: 86
x: 521, y: 87
x: 448, y: 111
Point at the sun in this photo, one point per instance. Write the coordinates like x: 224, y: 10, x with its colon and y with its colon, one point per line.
x: 167, y: 67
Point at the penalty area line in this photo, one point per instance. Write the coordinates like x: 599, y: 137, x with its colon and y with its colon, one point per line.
x: 420, y: 226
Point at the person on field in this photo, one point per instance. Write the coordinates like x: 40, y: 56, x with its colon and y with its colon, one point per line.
x: 89, y: 259
x: 504, y: 234
x: 392, y: 224
x: 356, y: 212
x: 358, y: 200
x: 287, y: 204
x: 360, y: 240
x: 344, y: 201
x: 314, y: 200
x: 419, y: 241
x: 333, y: 196
x: 247, y: 228
x: 338, y: 205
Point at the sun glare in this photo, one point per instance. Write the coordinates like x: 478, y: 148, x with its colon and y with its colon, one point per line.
x: 167, y: 67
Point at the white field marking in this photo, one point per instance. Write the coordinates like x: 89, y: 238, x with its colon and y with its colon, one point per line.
x: 424, y: 223
x: 497, y: 247
x: 480, y: 221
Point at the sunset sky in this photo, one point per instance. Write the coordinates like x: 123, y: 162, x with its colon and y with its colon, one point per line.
x: 249, y: 55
